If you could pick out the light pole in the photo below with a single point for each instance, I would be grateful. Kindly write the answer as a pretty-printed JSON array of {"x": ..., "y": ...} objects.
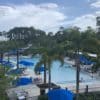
[{"x": 77, "y": 71}]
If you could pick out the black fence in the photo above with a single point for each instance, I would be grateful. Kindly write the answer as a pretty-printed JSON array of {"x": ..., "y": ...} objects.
[{"x": 89, "y": 96}]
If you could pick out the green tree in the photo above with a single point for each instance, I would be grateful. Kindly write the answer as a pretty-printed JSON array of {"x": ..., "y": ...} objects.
[
  {"x": 4, "y": 83},
  {"x": 48, "y": 55}
]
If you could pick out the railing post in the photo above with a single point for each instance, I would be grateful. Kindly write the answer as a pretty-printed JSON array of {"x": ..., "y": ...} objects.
[{"x": 86, "y": 89}]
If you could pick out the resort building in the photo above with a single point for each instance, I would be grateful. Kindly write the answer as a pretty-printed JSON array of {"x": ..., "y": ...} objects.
[
  {"x": 3, "y": 36},
  {"x": 98, "y": 23}
]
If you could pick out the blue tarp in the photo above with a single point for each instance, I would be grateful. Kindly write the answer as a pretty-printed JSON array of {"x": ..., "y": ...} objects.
[
  {"x": 85, "y": 60},
  {"x": 26, "y": 63},
  {"x": 60, "y": 94},
  {"x": 23, "y": 81}
]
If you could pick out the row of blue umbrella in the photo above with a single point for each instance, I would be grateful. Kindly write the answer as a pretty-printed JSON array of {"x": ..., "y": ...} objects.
[
  {"x": 84, "y": 60},
  {"x": 22, "y": 62},
  {"x": 28, "y": 63},
  {"x": 6, "y": 63}
]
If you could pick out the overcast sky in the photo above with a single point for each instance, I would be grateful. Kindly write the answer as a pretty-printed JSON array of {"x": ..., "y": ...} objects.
[{"x": 48, "y": 15}]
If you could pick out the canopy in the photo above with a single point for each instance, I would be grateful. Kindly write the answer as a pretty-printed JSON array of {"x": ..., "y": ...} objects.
[
  {"x": 23, "y": 81},
  {"x": 26, "y": 63},
  {"x": 60, "y": 94}
]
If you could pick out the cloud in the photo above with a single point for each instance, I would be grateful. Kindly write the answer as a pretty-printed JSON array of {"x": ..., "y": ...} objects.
[
  {"x": 97, "y": 13},
  {"x": 84, "y": 21},
  {"x": 48, "y": 5},
  {"x": 96, "y": 4},
  {"x": 31, "y": 15}
]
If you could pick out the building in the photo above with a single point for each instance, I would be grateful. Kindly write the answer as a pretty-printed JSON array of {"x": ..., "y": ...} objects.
[
  {"x": 98, "y": 23},
  {"x": 3, "y": 36}
]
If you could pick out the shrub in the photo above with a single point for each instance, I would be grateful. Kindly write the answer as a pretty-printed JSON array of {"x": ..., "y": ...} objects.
[{"x": 43, "y": 97}]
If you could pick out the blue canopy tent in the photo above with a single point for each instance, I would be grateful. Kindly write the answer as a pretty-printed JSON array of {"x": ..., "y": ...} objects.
[
  {"x": 26, "y": 63},
  {"x": 84, "y": 60},
  {"x": 23, "y": 81},
  {"x": 60, "y": 94}
]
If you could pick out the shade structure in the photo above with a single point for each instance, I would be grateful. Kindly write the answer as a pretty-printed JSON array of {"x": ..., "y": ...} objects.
[
  {"x": 84, "y": 60},
  {"x": 60, "y": 94},
  {"x": 23, "y": 81},
  {"x": 26, "y": 63}
]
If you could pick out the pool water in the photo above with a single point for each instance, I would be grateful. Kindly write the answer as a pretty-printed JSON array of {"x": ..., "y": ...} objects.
[{"x": 61, "y": 74}]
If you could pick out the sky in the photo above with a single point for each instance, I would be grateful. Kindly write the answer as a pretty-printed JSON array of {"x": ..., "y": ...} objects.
[{"x": 48, "y": 15}]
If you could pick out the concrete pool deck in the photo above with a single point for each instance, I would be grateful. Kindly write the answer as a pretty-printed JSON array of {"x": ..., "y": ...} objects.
[{"x": 32, "y": 90}]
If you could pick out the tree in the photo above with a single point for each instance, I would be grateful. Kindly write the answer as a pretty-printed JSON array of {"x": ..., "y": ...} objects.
[
  {"x": 48, "y": 55},
  {"x": 4, "y": 83}
]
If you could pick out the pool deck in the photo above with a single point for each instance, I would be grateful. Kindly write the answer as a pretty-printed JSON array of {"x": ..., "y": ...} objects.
[
  {"x": 32, "y": 90},
  {"x": 66, "y": 60}
]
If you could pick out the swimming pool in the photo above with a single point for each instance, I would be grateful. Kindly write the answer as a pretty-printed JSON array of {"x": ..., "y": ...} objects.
[{"x": 61, "y": 74}]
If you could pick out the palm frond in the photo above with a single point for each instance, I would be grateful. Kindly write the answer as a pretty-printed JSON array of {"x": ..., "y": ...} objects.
[{"x": 38, "y": 65}]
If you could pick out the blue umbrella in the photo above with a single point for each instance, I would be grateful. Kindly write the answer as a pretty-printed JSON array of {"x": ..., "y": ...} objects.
[
  {"x": 24, "y": 81},
  {"x": 60, "y": 94},
  {"x": 84, "y": 60},
  {"x": 6, "y": 63},
  {"x": 40, "y": 69},
  {"x": 26, "y": 63}
]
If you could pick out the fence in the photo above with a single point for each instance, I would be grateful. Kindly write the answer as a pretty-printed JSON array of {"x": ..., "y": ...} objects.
[{"x": 89, "y": 93}]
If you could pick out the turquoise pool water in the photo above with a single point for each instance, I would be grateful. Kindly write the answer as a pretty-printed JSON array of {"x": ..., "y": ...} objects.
[{"x": 61, "y": 74}]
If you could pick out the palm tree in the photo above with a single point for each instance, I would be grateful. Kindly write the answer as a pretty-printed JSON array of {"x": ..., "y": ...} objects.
[
  {"x": 48, "y": 55},
  {"x": 4, "y": 82},
  {"x": 73, "y": 44},
  {"x": 43, "y": 61}
]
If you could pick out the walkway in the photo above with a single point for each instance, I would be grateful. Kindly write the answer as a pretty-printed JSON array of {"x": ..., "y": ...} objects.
[{"x": 32, "y": 90}]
